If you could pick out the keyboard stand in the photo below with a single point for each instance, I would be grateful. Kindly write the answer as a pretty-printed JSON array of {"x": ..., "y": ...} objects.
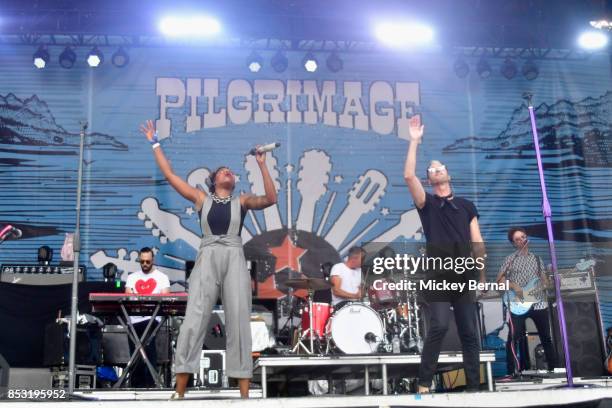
[{"x": 140, "y": 343}]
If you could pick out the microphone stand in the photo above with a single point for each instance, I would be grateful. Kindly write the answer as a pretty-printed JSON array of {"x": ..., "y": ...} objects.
[
  {"x": 75, "y": 272},
  {"x": 547, "y": 212}
]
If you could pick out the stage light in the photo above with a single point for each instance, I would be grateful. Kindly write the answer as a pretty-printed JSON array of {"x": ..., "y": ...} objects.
[
  {"x": 120, "y": 58},
  {"x": 508, "y": 69},
  {"x": 461, "y": 68},
  {"x": 593, "y": 40},
  {"x": 195, "y": 26},
  {"x": 530, "y": 70},
  {"x": 254, "y": 62},
  {"x": 109, "y": 271},
  {"x": 334, "y": 62},
  {"x": 41, "y": 57},
  {"x": 601, "y": 24},
  {"x": 95, "y": 57},
  {"x": 310, "y": 62},
  {"x": 279, "y": 62},
  {"x": 407, "y": 34},
  {"x": 483, "y": 68},
  {"x": 45, "y": 255},
  {"x": 67, "y": 58}
]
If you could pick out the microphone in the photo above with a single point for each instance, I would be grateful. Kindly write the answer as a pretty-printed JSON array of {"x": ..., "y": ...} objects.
[
  {"x": 16, "y": 232},
  {"x": 370, "y": 337},
  {"x": 265, "y": 148},
  {"x": 7, "y": 231}
]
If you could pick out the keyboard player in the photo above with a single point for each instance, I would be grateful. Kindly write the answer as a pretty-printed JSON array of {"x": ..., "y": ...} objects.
[{"x": 147, "y": 281}]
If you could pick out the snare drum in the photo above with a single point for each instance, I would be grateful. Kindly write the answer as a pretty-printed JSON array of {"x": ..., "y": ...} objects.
[
  {"x": 321, "y": 312},
  {"x": 356, "y": 329}
]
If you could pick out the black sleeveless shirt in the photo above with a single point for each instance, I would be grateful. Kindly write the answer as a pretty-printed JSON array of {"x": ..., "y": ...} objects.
[{"x": 219, "y": 217}]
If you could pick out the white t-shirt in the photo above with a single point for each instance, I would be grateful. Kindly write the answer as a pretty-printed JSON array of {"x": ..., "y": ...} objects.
[
  {"x": 151, "y": 283},
  {"x": 350, "y": 280}
]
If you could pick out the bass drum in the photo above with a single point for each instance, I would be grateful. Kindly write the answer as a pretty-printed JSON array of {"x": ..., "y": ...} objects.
[{"x": 356, "y": 329}]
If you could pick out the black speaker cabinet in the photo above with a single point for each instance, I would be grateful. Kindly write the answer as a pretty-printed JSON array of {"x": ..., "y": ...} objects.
[
  {"x": 88, "y": 345},
  {"x": 116, "y": 347},
  {"x": 585, "y": 338},
  {"x": 4, "y": 376},
  {"x": 215, "y": 332}
]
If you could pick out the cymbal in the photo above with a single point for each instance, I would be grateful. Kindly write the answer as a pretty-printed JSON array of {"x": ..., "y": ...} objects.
[{"x": 308, "y": 283}]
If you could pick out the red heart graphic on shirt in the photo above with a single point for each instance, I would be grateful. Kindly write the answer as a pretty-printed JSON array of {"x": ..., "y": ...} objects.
[{"x": 145, "y": 287}]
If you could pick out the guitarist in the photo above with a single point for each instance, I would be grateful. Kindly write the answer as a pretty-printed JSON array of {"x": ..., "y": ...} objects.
[{"x": 520, "y": 268}]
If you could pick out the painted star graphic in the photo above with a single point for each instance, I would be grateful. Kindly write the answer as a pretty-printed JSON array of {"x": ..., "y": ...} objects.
[
  {"x": 287, "y": 255},
  {"x": 384, "y": 211},
  {"x": 289, "y": 168},
  {"x": 237, "y": 178},
  {"x": 338, "y": 179},
  {"x": 189, "y": 211}
]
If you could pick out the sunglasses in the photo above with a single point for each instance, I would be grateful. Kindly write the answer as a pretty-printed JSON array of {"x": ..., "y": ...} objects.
[{"x": 438, "y": 169}]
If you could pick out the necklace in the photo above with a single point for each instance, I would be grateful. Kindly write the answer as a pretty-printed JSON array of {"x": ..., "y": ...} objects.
[{"x": 220, "y": 200}]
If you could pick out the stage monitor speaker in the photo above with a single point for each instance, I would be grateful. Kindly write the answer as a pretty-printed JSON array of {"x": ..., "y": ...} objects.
[
  {"x": 215, "y": 333},
  {"x": 116, "y": 347},
  {"x": 451, "y": 341},
  {"x": 4, "y": 377},
  {"x": 162, "y": 346},
  {"x": 88, "y": 347},
  {"x": 587, "y": 353}
]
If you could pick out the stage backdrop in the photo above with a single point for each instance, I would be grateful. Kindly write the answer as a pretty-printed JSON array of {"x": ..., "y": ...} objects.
[{"x": 339, "y": 168}]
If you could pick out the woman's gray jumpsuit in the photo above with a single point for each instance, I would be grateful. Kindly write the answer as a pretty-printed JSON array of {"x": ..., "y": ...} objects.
[{"x": 220, "y": 268}]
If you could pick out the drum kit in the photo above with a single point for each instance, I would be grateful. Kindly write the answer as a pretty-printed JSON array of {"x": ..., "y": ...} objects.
[{"x": 386, "y": 322}]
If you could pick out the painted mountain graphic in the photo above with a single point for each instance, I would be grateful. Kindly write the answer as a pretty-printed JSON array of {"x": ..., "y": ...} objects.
[
  {"x": 565, "y": 128},
  {"x": 30, "y": 122}
]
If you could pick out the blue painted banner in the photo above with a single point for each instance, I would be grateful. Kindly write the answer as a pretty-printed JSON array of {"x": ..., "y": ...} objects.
[{"x": 339, "y": 168}]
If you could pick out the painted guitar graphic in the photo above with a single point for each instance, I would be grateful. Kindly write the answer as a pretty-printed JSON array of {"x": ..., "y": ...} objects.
[
  {"x": 518, "y": 306},
  {"x": 164, "y": 224},
  {"x": 168, "y": 227},
  {"x": 363, "y": 197}
]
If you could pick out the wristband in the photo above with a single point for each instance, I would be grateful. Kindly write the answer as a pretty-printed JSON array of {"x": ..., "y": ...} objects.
[
  {"x": 154, "y": 139},
  {"x": 155, "y": 145}
]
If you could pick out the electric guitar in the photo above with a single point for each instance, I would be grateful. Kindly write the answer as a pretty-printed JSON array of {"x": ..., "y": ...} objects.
[{"x": 518, "y": 306}]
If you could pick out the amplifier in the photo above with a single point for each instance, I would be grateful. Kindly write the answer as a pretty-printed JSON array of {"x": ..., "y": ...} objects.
[
  {"x": 24, "y": 274},
  {"x": 571, "y": 279}
]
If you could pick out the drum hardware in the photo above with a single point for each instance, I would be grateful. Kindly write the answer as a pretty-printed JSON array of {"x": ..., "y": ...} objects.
[
  {"x": 411, "y": 332},
  {"x": 310, "y": 284}
]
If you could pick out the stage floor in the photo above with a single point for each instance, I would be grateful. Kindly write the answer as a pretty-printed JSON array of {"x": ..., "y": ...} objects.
[{"x": 539, "y": 398}]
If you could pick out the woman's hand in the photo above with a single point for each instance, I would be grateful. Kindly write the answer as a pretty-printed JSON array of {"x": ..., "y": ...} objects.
[
  {"x": 260, "y": 156},
  {"x": 148, "y": 129}
]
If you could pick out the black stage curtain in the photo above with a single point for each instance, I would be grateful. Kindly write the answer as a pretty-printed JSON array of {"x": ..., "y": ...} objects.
[{"x": 25, "y": 310}]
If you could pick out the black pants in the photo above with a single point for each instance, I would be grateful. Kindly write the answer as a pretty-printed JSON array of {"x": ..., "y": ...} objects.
[
  {"x": 467, "y": 327},
  {"x": 140, "y": 376},
  {"x": 540, "y": 318}
]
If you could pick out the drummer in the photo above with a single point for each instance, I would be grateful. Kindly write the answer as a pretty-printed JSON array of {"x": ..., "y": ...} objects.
[{"x": 346, "y": 279}]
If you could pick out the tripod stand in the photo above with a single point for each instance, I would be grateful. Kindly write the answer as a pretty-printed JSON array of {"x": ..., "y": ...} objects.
[{"x": 310, "y": 284}]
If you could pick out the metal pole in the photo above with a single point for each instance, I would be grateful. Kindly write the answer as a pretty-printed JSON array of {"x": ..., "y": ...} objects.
[
  {"x": 547, "y": 212},
  {"x": 75, "y": 270}
]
